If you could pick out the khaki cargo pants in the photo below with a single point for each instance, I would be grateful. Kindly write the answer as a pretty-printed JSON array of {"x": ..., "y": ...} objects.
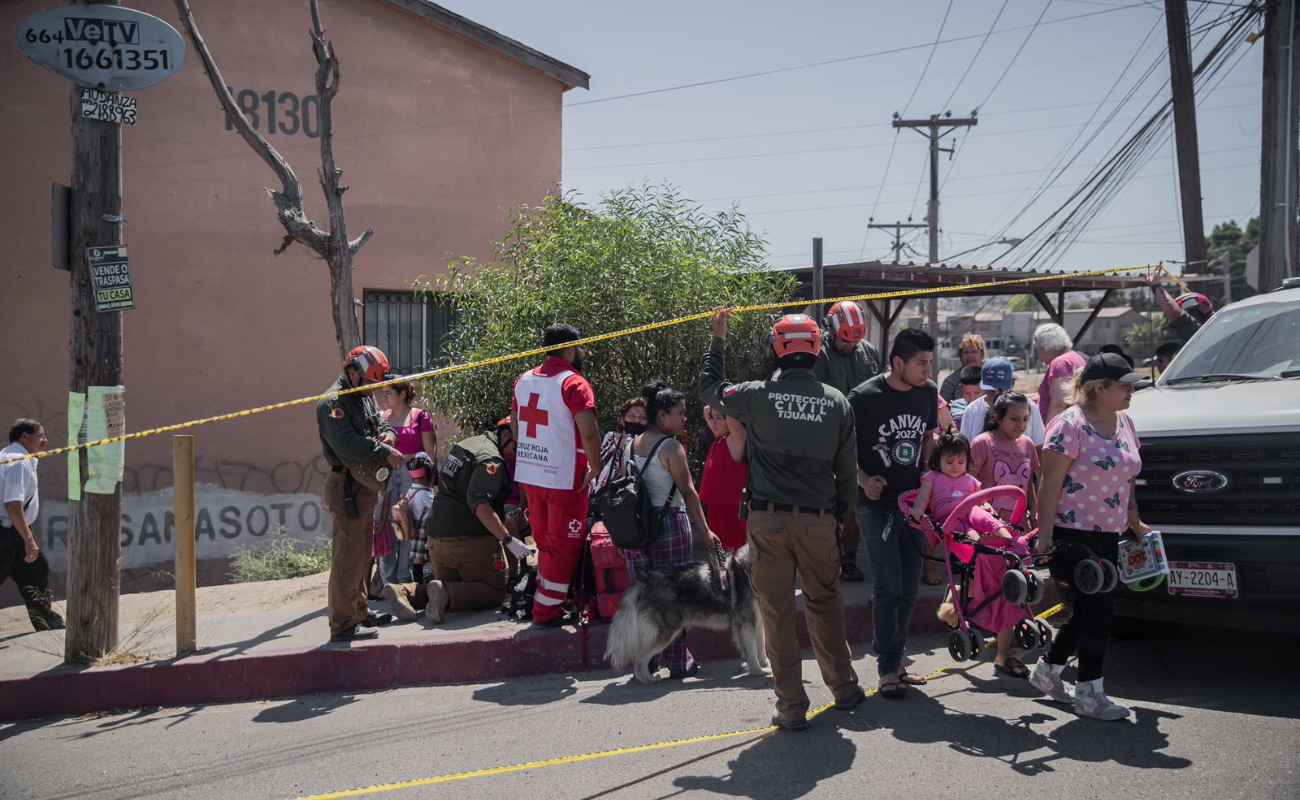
[
  {"x": 779, "y": 544},
  {"x": 466, "y": 566},
  {"x": 353, "y": 541}
]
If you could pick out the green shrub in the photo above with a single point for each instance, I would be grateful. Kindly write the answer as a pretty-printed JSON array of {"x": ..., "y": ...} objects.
[
  {"x": 638, "y": 256},
  {"x": 279, "y": 559}
]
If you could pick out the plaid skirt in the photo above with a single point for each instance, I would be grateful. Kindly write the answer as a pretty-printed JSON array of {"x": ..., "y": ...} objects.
[{"x": 674, "y": 546}]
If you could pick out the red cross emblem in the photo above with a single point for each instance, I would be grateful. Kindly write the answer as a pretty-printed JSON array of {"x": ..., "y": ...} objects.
[{"x": 533, "y": 415}]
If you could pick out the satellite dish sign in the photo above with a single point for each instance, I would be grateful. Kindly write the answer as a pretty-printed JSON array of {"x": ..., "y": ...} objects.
[{"x": 109, "y": 48}]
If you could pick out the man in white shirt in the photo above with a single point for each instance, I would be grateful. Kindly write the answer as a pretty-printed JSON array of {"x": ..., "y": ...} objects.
[
  {"x": 20, "y": 556},
  {"x": 997, "y": 376}
]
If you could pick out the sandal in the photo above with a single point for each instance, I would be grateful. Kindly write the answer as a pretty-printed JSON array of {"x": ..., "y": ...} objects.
[
  {"x": 911, "y": 679},
  {"x": 890, "y": 688},
  {"x": 1013, "y": 668}
]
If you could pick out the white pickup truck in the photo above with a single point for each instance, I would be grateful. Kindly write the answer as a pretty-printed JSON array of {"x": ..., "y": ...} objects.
[{"x": 1220, "y": 433}]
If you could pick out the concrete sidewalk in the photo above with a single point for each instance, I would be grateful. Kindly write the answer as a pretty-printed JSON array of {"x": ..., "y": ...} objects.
[{"x": 281, "y": 652}]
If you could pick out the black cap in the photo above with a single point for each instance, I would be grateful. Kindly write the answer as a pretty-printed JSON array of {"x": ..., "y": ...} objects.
[
  {"x": 1109, "y": 366},
  {"x": 1117, "y": 350}
]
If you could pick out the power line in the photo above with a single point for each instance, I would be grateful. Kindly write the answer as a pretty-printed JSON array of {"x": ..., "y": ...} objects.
[
  {"x": 864, "y": 146},
  {"x": 930, "y": 58},
  {"x": 983, "y": 42},
  {"x": 839, "y": 128},
  {"x": 842, "y": 60},
  {"x": 1096, "y": 192},
  {"x": 889, "y": 160}
]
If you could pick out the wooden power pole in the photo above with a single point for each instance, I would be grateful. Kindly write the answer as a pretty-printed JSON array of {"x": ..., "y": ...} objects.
[
  {"x": 935, "y": 128},
  {"x": 94, "y": 359},
  {"x": 1189, "y": 160},
  {"x": 1278, "y": 257},
  {"x": 897, "y": 228}
]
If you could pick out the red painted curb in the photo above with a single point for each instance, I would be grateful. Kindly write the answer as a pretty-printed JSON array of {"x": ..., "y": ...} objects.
[{"x": 367, "y": 666}]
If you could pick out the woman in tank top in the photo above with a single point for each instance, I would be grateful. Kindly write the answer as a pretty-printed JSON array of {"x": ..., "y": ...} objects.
[{"x": 668, "y": 479}]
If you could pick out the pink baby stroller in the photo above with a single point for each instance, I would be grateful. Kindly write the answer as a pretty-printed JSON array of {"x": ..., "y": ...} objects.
[{"x": 1021, "y": 586}]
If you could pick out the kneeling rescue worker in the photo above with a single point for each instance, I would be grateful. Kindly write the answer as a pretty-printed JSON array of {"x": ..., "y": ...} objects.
[
  {"x": 467, "y": 527},
  {"x": 802, "y": 482}
]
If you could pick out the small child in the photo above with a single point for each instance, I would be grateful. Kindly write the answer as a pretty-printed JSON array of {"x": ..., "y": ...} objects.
[
  {"x": 942, "y": 489},
  {"x": 948, "y": 483}
]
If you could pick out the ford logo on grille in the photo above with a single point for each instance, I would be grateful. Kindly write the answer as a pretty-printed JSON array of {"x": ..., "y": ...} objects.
[{"x": 1200, "y": 481}]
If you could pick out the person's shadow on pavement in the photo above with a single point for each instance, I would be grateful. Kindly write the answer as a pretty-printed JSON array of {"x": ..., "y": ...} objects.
[
  {"x": 923, "y": 719},
  {"x": 782, "y": 766},
  {"x": 531, "y": 692},
  {"x": 304, "y": 708}
]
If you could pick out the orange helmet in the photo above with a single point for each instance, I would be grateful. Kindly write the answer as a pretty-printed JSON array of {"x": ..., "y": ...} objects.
[
  {"x": 369, "y": 361},
  {"x": 848, "y": 322},
  {"x": 796, "y": 333}
]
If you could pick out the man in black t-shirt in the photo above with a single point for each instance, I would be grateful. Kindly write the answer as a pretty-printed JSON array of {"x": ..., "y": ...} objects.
[{"x": 895, "y": 415}]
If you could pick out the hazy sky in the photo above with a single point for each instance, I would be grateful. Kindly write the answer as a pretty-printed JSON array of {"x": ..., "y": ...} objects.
[{"x": 804, "y": 152}]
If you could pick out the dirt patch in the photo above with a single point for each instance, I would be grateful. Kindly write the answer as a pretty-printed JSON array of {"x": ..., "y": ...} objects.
[{"x": 143, "y": 609}]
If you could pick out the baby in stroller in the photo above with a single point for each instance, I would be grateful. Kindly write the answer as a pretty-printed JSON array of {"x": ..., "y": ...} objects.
[{"x": 981, "y": 548}]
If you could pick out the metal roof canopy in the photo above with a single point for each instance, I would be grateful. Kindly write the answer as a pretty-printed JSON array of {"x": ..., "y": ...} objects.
[{"x": 870, "y": 277}]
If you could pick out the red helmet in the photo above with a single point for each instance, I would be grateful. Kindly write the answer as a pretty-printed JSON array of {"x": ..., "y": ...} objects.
[
  {"x": 369, "y": 361},
  {"x": 796, "y": 333},
  {"x": 1194, "y": 303},
  {"x": 848, "y": 322}
]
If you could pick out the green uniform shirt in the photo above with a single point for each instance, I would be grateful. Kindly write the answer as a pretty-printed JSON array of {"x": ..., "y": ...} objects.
[
  {"x": 801, "y": 442},
  {"x": 472, "y": 474},
  {"x": 846, "y": 370},
  {"x": 1186, "y": 326},
  {"x": 350, "y": 428}
]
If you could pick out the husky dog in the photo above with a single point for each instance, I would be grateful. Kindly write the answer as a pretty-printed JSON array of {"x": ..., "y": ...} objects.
[{"x": 665, "y": 600}]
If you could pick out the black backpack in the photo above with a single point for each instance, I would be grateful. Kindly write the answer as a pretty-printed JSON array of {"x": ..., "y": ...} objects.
[{"x": 625, "y": 507}]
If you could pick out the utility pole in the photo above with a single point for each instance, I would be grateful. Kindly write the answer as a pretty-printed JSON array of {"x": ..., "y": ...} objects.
[
  {"x": 818, "y": 278},
  {"x": 1189, "y": 161},
  {"x": 898, "y": 234},
  {"x": 1278, "y": 177},
  {"x": 94, "y": 359},
  {"x": 935, "y": 128}
]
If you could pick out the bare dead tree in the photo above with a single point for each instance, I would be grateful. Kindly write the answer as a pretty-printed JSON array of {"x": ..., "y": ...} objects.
[{"x": 331, "y": 245}]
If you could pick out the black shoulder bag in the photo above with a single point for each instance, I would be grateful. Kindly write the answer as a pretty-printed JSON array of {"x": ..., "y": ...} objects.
[{"x": 625, "y": 507}]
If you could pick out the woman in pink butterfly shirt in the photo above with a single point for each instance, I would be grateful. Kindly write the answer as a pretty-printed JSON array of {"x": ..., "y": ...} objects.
[{"x": 1090, "y": 463}]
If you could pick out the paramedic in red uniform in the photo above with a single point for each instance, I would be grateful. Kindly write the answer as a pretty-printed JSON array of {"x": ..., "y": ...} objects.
[{"x": 554, "y": 416}]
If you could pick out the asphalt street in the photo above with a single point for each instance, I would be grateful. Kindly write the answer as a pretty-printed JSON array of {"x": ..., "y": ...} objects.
[{"x": 1215, "y": 716}]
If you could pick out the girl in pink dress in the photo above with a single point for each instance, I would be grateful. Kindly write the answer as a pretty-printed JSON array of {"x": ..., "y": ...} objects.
[
  {"x": 942, "y": 489},
  {"x": 1004, "y": 456}
]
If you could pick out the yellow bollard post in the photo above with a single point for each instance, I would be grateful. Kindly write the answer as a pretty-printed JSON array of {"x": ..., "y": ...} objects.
[{"x": 186, "y": 574}]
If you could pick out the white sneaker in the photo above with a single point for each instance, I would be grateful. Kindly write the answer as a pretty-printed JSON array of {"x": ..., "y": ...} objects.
[
  {"x": 1047, "y": 679},
  {"x": 1091, "y": 701}
]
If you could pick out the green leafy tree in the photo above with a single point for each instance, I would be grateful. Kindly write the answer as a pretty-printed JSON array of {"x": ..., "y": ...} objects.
[
  {"x": 639, "y": 256},
  {"x": 1143, "y": 338},
  {"x": 1226, "y": 249},
  {"x": 1023, "y": 302}
]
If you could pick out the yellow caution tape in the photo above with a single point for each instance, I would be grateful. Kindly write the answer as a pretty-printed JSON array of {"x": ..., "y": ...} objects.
[
  {"x": 759, "y": 733},
  {"x": 580, "y": 342}
]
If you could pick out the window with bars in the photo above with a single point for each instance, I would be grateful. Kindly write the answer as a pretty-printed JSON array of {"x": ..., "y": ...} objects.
[{"x": 410, "y": 328}]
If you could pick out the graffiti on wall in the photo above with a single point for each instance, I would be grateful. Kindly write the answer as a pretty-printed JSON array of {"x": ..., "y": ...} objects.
[{"x": 225, "y": 521}]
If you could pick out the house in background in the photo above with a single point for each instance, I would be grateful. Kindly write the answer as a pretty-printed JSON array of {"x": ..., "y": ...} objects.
[{"x": 441, "y": 125}]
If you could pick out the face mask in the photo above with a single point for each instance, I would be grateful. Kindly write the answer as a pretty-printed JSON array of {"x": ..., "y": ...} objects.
[
  {"x": 634, "y": 428},
  {"x": 577, "y": 364}
]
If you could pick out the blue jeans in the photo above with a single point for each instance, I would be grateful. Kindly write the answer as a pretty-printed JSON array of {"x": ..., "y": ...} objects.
[{"x": 896, "y": 572}]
